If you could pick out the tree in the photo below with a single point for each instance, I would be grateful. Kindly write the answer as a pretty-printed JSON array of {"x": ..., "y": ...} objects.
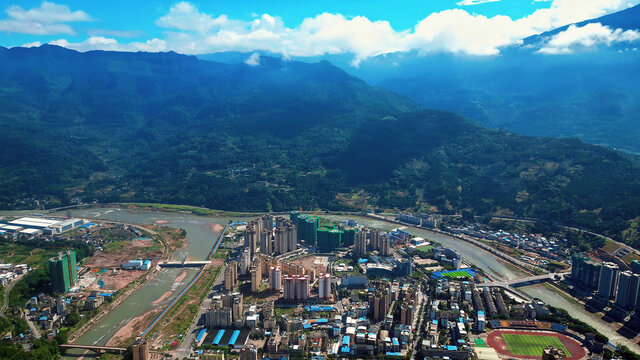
[{"x": 72, "y": 319}]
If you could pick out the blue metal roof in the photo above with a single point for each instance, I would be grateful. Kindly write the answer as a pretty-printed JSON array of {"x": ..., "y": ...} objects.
[
  {"x": 234, "y": 337},
  {"x": 346, "y": 340},
  {"x": 201, "y": 335},
  {"x": 216, "y": 341},
  {"x": 451, "y": 348},
  {"x": 395, "y": 341}
]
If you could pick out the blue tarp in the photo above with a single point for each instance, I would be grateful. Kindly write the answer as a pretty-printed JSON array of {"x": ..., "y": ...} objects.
[
  {"x": 451, "y": 348},
  {"x": 393, "y": 353},
  {"x": 104, "y": 294},
  {"x": 216, "y": 341},
  {"x": 345, "y": 349},
  {"x": 395, "y": 341},
  {"x": 346, "y": 340},
  {"x": 84, "y": 226}
]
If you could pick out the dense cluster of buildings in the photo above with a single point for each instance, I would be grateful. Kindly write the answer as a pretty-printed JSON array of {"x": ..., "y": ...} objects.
[
  {"x": 315, "y": 319},
  {"x": 532, "y": 243},
  {"x": 614, "y": 282},
  {"x": 10, "y": 272}
]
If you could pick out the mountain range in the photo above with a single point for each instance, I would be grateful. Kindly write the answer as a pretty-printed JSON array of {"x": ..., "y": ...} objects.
[
  {"x": 591, "y": 94},
  {"x": 164, "y": 127}
]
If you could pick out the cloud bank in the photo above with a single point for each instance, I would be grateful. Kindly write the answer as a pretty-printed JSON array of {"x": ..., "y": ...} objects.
[
  {"x": 190, "y": 31},
  {"x": 588, "y": 36}
]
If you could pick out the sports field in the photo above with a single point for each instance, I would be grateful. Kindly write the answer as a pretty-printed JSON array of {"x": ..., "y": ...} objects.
[
  {"x": 531, "y": 345},
  {"x": 457, "y": 274},
  {"x": 460, "y": 273},
  {"x": 523, "y": 344}
]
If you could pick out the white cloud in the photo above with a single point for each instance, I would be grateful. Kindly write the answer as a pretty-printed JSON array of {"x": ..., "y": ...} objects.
[
  {"x": 186, "y": 17},
  {"x": 110, "y": 44},
  {"x": 474, "y": 2},
  {"x": 48, "y": 19},
  {"x": 587, "y": 36},
  {"x": 253, "y": 60},
  {"x": 473, "y": 34},
  {"x": 32, "y": 44},
  {"x": 190, "y": 31}
]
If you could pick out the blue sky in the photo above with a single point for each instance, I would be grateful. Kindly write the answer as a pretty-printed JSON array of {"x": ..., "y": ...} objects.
[{"x": 304, "y": 28}]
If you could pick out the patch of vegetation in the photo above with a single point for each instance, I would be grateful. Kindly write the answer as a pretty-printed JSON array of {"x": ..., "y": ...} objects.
[{"x": 181, "y": 315}]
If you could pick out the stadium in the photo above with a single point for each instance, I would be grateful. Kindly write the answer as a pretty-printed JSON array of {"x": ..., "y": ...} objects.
[{"x": 528, "y": 344}]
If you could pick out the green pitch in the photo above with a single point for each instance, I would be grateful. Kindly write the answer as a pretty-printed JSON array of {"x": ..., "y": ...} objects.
[
  {"x": 531, "y": 345},
  {"x": 456, "y": 274}
]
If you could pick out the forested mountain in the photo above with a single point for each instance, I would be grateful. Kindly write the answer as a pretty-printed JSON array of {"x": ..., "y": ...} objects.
[
  {"x": 591, "y": 94},
  {"x": 284, "y": 134}
]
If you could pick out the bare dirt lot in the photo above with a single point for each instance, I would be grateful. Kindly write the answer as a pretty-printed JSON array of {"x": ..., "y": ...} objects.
[
  {"x": 112, "y": 258},
  {"x": 319, "y": 263}
]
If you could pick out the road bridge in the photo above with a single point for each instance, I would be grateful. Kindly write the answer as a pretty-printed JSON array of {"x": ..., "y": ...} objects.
[
  {"x": 181, "y": 264},
  {"x": 95, "y": 348},
  {"x": 527, "y": 280}
]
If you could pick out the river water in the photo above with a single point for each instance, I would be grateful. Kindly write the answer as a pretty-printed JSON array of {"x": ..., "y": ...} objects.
[{"x": 201, "y": 239}]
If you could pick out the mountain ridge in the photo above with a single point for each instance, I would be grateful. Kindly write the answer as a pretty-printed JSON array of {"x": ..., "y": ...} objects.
[
  {"x": 627, "y": 19},
  {"x": 139, "y": 127}
]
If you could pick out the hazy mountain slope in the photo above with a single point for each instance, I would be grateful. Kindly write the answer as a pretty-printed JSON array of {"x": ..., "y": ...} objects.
[
  {"x": 592, "y": 95},
  {"x": 172, "y": 128},
  {"x": 628, "y": 19}
]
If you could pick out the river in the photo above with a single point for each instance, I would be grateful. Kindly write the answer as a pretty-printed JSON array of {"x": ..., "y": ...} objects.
[{"x": 200, "y": 241}]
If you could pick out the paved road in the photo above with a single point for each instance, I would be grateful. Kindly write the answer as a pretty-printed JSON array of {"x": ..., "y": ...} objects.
[
  {"x": 5, "y": 305},
  {"x": 7, "y": 290},
  {"x": 34, "y": 329},
  {"x": 185, "y": 348},
  {"x": 417, "y": 337}
]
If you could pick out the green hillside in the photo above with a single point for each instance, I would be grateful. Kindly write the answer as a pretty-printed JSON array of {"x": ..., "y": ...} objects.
[{"x": 169, "y": 128}]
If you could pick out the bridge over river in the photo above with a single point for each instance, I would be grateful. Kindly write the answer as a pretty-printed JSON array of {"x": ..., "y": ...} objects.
[
  {"x": 95, "y": 348},
  {"x": 511, "y": 285}
]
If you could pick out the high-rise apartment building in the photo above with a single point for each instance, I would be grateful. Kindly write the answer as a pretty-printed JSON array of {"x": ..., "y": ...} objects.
[{"x": 63, "y": 271}]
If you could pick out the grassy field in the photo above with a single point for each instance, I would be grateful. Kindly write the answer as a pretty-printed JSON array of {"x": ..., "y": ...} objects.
[
  {"x": 531, "y": 345},
  {"x": 457, "y": 274},
  {"x": 20, "y": 254}
]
